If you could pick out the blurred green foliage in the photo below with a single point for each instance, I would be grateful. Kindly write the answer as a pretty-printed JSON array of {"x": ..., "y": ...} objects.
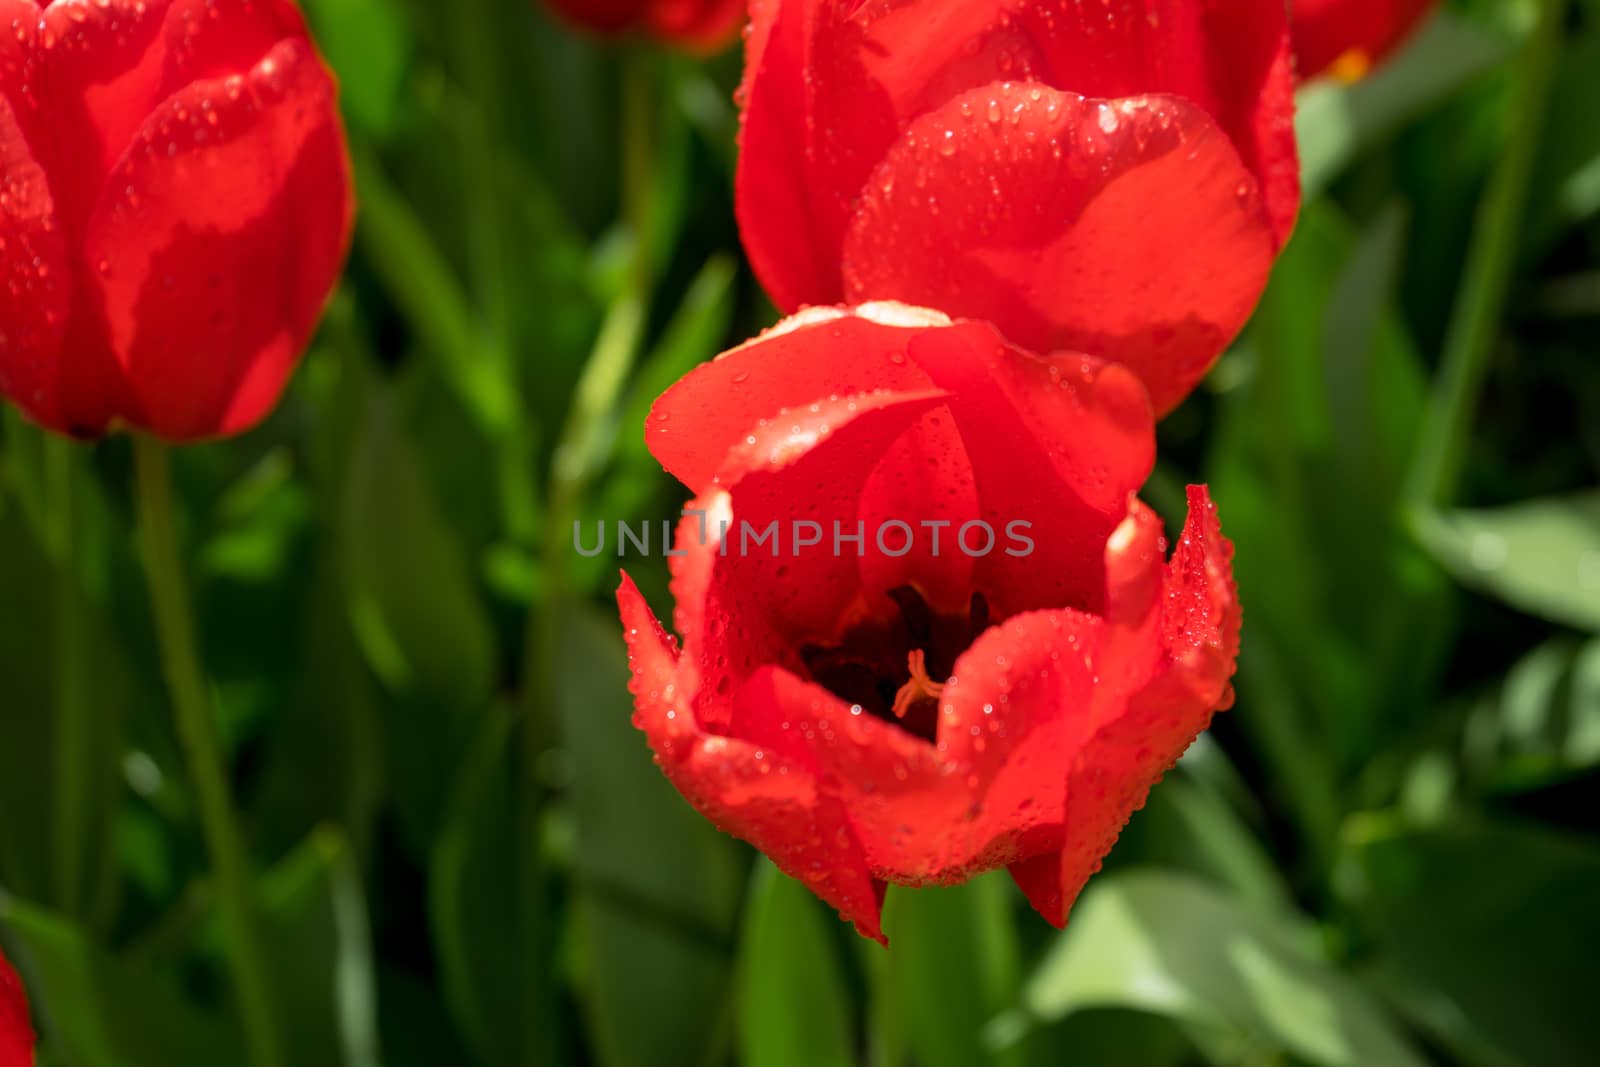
[{"x": 1386, "y": 854}]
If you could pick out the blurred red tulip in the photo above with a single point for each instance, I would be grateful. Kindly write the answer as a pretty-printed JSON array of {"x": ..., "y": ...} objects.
[
  {"x": 917, "y": 706},
  {"x": 16, "y": 1033},
  {"x": 698, "y": 26},
  {"x": 1346, "y": 38},
  {"x": 1114, "y": 182},
  {"x": 177, "y": 210}
]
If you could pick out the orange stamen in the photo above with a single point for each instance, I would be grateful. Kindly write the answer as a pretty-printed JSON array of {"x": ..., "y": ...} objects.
[
  {"x": 920, "y": 687},
  {"x": 1352, "y": 66}
]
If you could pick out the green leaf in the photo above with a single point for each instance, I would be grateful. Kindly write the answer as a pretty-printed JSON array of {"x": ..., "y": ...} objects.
[
  {"x": 323, "y": 760},
  {"x": 413, "y": 601},
  {"x": 30, "y": 741},
  {"x": 475, "y": 899},
  {"x": 658, "y": 885},
  {"x": 1541, "y": 557},
  {"x": 100, "y": 1011},
  {"x": 793, "y": 1011},
  {"x": 1307, "y": 465},
  {"x": 1482, "y": 927},
  {"x": 1334, "y": 122},
  {"x": 1186, "y": 823},
  {"x": 1543, "y": 725},
  {"x": 954, "y": 965},
  {"x": 321, "y": 954},
  {"x": 1174, "y": 946},
  {"x": 424, "y": 287},
  {"x": 368, "y": 43}
]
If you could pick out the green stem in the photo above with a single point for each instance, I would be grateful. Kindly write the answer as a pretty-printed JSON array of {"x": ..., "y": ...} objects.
[
  {"x": 202, "y": 748},
  {"x": 74, "y": 727},
  {"x": 1480, "y": 306},
  {"x": 886, "y": 1039}
]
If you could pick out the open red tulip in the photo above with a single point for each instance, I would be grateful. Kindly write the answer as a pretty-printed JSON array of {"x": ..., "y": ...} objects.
[
  {"x": 697, "y": 26},
  {"x": 1110, "y": 179},
  {"x": 176, "y": 212},
  {"x": 1348, "y": 37},
  {"x": 16, "y": 1033},
  {"x": 995, "y": 663}
]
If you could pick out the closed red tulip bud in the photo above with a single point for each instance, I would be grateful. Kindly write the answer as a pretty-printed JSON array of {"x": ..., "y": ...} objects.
[
  {"x": 698, "y": 26},
  {"x": 925, "y": 629},
  {"x": 16, "y": 1033},
  {"x": 1346, "y": 38},
  {"x": 176, "y": 210},
  {"x": 1110, "y": 179}
]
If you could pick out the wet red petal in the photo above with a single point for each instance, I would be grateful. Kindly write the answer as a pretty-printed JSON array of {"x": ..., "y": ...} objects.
[
  {"x": 754, "y": 604},
  {"x": 807, "y": 357},
  {"x": 235, "y": 196},
  {"x": 1129, "y": 230},
  {"x": 830, "y": 88},
  {"x": 1362, "y": 31},
  {"x": 751, "y": 792},
  {"x": 1058, "y": 444},
  {"x": 16, "y": 1032},
  {"x": 771, "y": 187},
  {"x": 37, "y": 290},
  {"x": 1007, "y": 729},
  {"x": 1114, "y": 772}
]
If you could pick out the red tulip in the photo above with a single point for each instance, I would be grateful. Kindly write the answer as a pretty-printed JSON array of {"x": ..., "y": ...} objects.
[
  {"x": 16, "y": 1034},
  {"x": 1348, "y": 37},
  {"x": 699, "y": 26},
  {"x": 866, "y": 715},
  {"x": 1110, "y": 179},
  {"x": 177, "y": 209}
]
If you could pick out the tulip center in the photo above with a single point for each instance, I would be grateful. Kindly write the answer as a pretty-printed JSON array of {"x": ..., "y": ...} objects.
[{"x": 894, "y": 665}]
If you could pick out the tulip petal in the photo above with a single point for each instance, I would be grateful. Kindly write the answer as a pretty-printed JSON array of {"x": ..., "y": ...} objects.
[
  {"x": 603, "y": 16},
  {"x": 225, "y": 192},
  {"x": 1009, "y": 723},
  {"x": 1129, "y": 230},
  {"x": 755, "y": 794},
  {"x": 1358, "y": 32},
  {"x": 699, "y": 26},
  {"x": 770, "y": 197},
  {"x": 37, "y": 290},
  {"x": 16, "y": 1032},
  {"x": 757, "y": 595},
  {"x": 807, "y": 357},
  {"x": 1230, "y": 58},
  {"x": 1113, "y": 773},
  {"x": 829, "y": 88},
  {"x": 1056, "y": 444}
]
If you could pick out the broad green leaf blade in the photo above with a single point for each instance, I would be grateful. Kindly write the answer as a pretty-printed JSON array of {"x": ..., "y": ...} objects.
[
  {"x": 321, "y": 954},
  {"x": 1186, "y": 823},
  {"x": 100, "y": 1011},
  {"x": 32, "y": 848},
  {"x": 1174, "y": 946},
  {"x": 368, "y": 43},
  {"x": 658, "y": 885},
  {"x": 1486, "y": 927},
  {"x": 793, "y": 1010},
  {"x": 413, "y": 602},
  {"x": 1543, "y": 726},
  {"x": 475, "y": 899},
  {"x": 425, "y": 288},
  {"x": 323, "y": 760},
  {"x": 1542, "y": 556}
]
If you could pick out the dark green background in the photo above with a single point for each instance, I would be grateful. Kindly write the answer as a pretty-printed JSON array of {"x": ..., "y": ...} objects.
[{"x": 1386, "y": 854}]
